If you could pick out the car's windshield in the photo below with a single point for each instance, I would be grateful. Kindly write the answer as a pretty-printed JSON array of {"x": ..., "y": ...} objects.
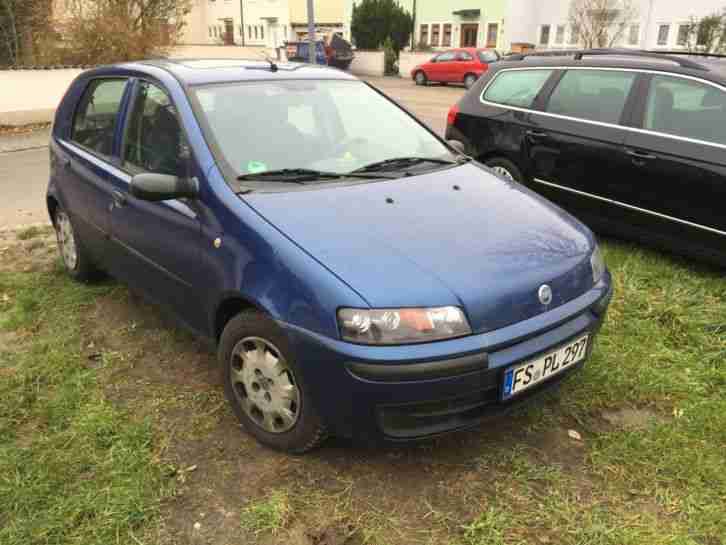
[{"x": 325, "y": 125}]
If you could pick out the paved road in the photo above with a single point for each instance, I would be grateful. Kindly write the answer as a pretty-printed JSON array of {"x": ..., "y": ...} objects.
[{"x": 24, "y": 174}]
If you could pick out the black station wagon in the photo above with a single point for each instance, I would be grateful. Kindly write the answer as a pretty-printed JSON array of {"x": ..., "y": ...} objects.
[{"x": 634, "y": 143}]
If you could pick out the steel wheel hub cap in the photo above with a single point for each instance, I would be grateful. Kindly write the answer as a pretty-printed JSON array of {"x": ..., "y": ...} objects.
[
  {"x": 264, "y": 385},
  {"x": 503, "y": 172},
  {"x": 66, "y": 240}
]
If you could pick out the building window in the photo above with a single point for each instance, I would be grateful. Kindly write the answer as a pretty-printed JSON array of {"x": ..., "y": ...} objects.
[
  {"x": 492, "y": 35},
  {"x": 256, "y": 27},
  {"x": 241, "y": 31},
  {"x": 446, "y": 42},
  {"x": 663, "y": 34},
  {"x": 683, "y": 32},
  {"x": 560, "y": 35},
  {"x": 262, "y": 31},
  {"x": 249, "y": 31},
  {"x": 574, "y": 35},
  {"x": 210, "y": 31},
  {"x": 435, "y": 35},
  {"x": 215, "y": 31},
  {"x": 424, "y": 34},
  {"x": 634, "y": 34},
  {"x": 544, "y": 35},
  {"x": 284, "y": 32}
]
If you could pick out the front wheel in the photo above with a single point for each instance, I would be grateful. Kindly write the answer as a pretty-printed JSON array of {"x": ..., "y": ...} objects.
[
  {"x": 470, "y": 80},
  {"x": 265, "y": 386},
  {"x": 505, "y": 168},
  {"x": 420, "y": 78}
]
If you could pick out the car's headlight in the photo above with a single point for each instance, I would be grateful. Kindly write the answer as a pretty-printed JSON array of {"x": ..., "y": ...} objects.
[
  {"x": 598, "y": 265},
  {"x": 402, "y": 325}
]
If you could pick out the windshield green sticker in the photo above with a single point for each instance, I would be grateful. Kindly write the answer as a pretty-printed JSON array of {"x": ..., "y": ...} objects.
[{"x": 253, "y": 167}]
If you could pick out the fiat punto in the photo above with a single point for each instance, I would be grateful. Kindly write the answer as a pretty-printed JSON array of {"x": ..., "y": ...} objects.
[{"x": 357, "y": 275}]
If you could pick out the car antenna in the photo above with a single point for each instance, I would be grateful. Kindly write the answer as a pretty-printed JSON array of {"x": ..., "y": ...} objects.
[{"x": 273, "y": 64}]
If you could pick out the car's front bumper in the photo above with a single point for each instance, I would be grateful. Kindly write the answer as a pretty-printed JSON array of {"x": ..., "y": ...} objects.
[{"x": 414, "y": 391}]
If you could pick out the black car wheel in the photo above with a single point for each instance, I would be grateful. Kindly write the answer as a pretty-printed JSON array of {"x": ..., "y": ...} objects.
[
  {"x": 420, "y": 78},
  {"x": 505, "y": 168},
  {"x": 76, "y": 259},
  {"x": 470, "y": 80},
  {"x": 265, "y": 387}
]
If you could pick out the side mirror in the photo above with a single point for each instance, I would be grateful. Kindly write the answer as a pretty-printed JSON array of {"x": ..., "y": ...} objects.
[
  {"x": 160, "y": 187},
  {"x": 457, "y": 145}
]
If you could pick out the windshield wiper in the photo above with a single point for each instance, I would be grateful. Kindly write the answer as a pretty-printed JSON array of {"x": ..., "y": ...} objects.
[
  {"x": 402, "y": 162},
  {"x": 302, "y": 175}
]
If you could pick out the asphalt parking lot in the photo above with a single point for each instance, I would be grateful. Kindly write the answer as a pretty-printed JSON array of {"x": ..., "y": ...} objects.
[{"x": 24, "y": 174}]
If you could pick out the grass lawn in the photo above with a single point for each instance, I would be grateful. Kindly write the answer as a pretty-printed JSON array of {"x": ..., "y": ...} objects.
[{"x": 113, "y": 429}]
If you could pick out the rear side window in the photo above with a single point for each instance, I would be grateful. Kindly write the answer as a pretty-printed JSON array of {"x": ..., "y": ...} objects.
[
  {"x": 96, "y": 116},
  {"x": 597, "y": 95},
  {"x": 487, "y": 56},
  {"x": 686, "y": 108},
  {"x": 516, "y": 87}
]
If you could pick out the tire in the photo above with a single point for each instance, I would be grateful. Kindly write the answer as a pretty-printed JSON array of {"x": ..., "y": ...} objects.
[
  {"x": 420, "y": 78},
  {"x": 76, "y": 259},
  {"x": 470, "y": 80},
  {"x": 506, "y": 168},
  {"x": 265, "y": 386}
]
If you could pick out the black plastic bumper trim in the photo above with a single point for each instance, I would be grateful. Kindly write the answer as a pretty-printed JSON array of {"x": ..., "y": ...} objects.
[{"x": 420, "y": 371}]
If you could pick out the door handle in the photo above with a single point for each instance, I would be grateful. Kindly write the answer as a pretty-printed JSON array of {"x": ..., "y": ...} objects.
[
  {"x": 536, "y": 134},
  {"x": 119, "y": 199},
  {"x": 641, "y": 155}
]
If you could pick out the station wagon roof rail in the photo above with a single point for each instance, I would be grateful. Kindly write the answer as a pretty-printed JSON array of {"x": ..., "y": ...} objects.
[{"x": 578, "y": 54}]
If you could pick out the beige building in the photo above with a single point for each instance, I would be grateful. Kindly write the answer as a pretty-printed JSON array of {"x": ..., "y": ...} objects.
[{"x": 268, "y": 23}]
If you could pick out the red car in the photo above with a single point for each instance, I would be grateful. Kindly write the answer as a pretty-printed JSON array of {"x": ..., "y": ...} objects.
[{"x": 464, "y": 65}]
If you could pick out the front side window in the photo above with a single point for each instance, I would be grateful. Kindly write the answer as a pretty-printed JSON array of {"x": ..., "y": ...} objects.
[
  {"x": 517, "y": 87},
  {"x": 663, "y": 34},
  {"x": 446, "y": 57},
  {"x": 153, "y": 140},
  {"x": 544, "y": 35},
  {"x": 686, "y": 108},
  {"x": 94, "y": 123},
  {"x": 325, "y": 125},
  {"x": 597, "y": 95}
]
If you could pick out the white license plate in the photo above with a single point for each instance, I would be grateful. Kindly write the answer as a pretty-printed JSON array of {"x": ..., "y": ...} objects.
[{"x": 523, "y": 376}]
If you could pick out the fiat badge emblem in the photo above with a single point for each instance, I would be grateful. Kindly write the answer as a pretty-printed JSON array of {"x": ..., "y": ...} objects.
[{"x": 545, "y": 294}]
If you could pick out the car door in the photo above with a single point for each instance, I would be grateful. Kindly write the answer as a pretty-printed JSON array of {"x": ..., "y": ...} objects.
[
  {"x": 575, "y": 145},
  {"x": 157, "y": 243},
  {"x": 465, "y": 64},
  {"x": 85, "y": 161},
  {"x": 678, "y": 160},
  {"x": 442, "y": 67}
]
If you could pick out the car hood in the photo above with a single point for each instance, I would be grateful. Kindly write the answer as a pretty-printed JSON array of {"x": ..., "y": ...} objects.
[{"x": 459, "y": 236}]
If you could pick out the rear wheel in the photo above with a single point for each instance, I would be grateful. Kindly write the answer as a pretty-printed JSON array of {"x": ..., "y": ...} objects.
[
  {"x": 76, "y": 259},
  {"x": 505, "y": 168},
  {"x": 265, "y": 386},
  {"x": 470, "y": 80},
  {"x": 420, "y": 78}
]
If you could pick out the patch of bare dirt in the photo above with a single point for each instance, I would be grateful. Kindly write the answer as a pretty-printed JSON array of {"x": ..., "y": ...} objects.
[
  {"x": 630, "y": 419},
  {"x": 30, "y": 255}
]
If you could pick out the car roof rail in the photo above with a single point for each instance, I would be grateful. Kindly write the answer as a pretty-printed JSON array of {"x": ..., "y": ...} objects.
[
  {"x": 689, "y": 53},
  {"x": 577, "y": 54}
]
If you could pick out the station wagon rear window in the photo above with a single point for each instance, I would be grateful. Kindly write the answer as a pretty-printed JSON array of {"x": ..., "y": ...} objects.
[{"x": 516, "y": 87}]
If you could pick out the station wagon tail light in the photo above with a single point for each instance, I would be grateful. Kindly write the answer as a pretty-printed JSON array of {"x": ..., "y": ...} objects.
[
  {"x": 402, "y": 325},
  {"x": 453, "y": 112}
]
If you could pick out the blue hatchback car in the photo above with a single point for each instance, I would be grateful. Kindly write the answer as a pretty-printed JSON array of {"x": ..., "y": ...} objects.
[{"x": 358, "y": 276}]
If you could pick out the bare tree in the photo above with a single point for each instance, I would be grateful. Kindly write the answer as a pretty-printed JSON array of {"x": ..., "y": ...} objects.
[
  {"x": 149, "y": 27},
  {"x": 708, "y": 34},
  {"x": 601, "y": 23}
]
